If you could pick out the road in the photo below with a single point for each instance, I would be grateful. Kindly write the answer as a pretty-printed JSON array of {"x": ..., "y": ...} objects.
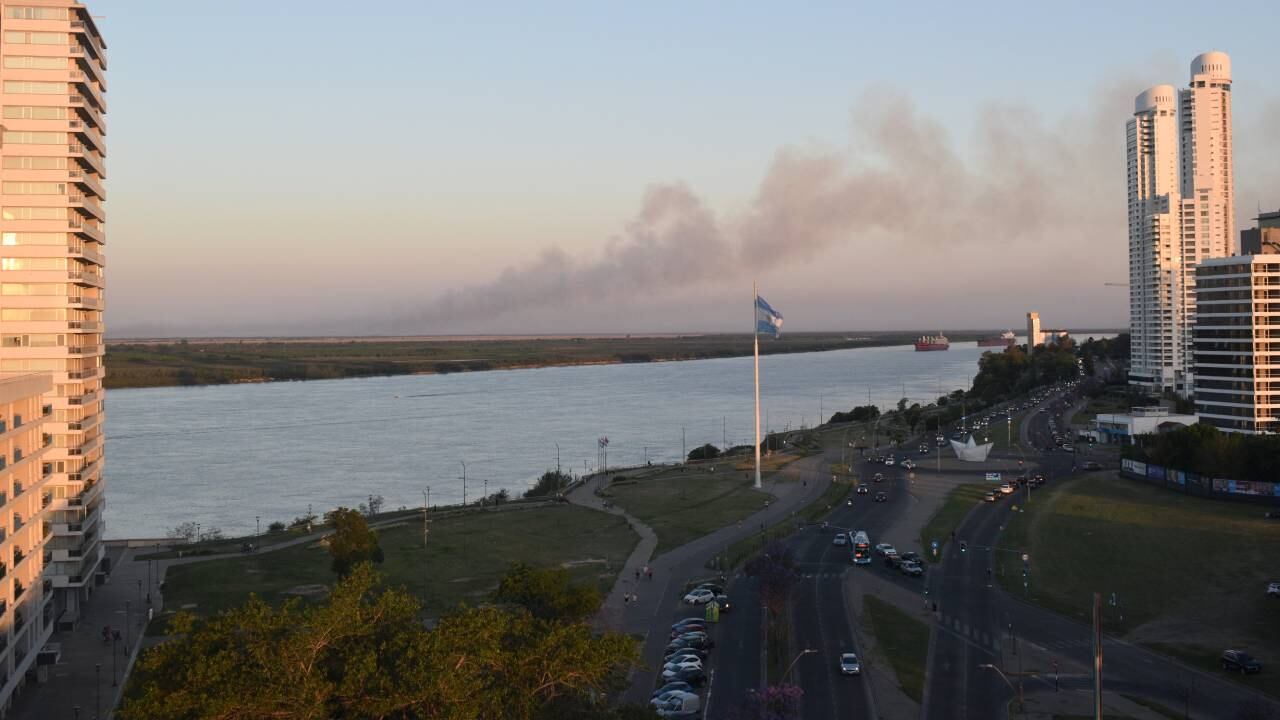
[{"x": 979, "y": 624}]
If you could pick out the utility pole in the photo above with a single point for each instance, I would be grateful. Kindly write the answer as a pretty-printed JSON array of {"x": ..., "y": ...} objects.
[
  {"x": 426, "y": 505},
  {"x": 724, "y": 431},
  {"x": 557, "y": 458},
  {"x": 464, "y": 482},
  {"x": 820, "y": 409},
  {"x": 684, "y": 450},
  {"x": 1097, "y": 656}
]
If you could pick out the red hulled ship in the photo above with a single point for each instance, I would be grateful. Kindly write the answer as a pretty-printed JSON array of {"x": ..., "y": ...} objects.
[{"x": 932, "y": 342}]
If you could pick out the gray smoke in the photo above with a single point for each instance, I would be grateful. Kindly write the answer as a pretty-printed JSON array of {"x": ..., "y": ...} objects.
[{"x": 901, "y": 181}]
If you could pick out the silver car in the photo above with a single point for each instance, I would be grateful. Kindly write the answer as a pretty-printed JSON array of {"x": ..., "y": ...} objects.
[{"x": 849, "y": 664}]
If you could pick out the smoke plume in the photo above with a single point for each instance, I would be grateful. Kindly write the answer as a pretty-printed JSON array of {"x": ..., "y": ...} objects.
[{"x": 902, "y": 181}]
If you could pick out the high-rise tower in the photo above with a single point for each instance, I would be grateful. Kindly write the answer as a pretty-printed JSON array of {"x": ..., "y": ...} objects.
[
  {"x": 51, "y": 264},
  {"x": 1155, "y": 266},
  {"x": 1181, "y": 213},
  {"x": 1207, "y": 184}
]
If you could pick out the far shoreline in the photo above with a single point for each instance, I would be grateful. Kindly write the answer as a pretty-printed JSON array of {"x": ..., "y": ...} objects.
[{"x": 196, "y": 362}]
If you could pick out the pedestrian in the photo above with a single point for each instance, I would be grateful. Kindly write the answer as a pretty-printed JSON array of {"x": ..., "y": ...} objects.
[
  {"x": 637, "y": 573},
  {"x": 626, "y": 599},
  {"x": 649, "y": 571}
]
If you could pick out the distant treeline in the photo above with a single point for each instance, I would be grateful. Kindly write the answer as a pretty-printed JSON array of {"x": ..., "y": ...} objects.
[{"x": 153, "y": 364}]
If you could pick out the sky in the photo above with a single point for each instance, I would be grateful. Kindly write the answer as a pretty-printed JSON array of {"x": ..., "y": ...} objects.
[{"x": 411, "y": 167}]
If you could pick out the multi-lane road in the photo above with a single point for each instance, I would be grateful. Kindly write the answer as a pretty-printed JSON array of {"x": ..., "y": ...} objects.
[{"x": 977, "y": 623}]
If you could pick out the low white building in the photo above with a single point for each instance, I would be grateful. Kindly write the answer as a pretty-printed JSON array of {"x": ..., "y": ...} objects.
[{"x": 1122, "y": 428}]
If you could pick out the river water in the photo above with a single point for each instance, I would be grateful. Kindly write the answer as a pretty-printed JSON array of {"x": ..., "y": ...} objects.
[{"x": 225, "y": 455}]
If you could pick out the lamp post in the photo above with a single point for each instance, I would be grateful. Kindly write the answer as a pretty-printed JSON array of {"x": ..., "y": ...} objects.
[
  {"x": 128, "y": 620},
  {"x": 257, "y": 522},
  {"x": 464, "y": 482},
  {"x": 139, "y": 600},
  {"x": 97, "y": 703},
  {"x": 1018, "y": 689},
  {"x": 557, "y": 458},
  {"x": 114, "y": 682},
  {"x": 793, "y": 663}
]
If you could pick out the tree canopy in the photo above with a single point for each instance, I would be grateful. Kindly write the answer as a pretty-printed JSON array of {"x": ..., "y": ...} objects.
[
  {"x": 1206, "y": 450},
  {"x": 365, "y": 654},
  {"x": 547, "y": 593},
  {"x": 352, "y": 541}
]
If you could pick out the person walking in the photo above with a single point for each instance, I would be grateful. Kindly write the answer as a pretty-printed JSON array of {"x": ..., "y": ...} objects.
[{"x": 648, "y": 571}]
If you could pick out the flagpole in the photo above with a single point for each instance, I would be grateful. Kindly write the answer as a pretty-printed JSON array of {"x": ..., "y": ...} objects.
[{"x": 755, "y": 339}]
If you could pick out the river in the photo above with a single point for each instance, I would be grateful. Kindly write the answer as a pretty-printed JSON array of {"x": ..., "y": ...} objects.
[{"x": 227, "y": 455}]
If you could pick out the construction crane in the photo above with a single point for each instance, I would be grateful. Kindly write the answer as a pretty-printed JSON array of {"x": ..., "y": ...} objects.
[{"x": 1116, "y": 284}]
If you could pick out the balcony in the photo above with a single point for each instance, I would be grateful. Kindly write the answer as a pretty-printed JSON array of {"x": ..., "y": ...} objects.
[
  {"x": 87, "y": 203},
  {"x": 84, "y": 301},
  {"x": 88, "y": 155},
  {"x": 88, "y": 180}
]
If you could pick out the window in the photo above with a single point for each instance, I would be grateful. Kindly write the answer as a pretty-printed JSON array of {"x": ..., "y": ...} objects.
[
  {"x": 34, "y": 188},
  {"x": 33, "y": 314},
  {"x": 19, "y": 137},
  {"x": 39, "y": 162},
  {"x": 29, "y": 62},
  {"x": 19, "y": 37},
  {"x": 33, "y": 340},
  {"x": 17, "y": 12},
  {"x": 33, "y": 289},
  {"x": 32, "y": 213},
  {"x": 35, "y": 263},
  {"x": 33, "y": 365},
  {"x": 34, "y": 112},
  {"x": 35, "y": 88},
  {"x": 32, "y": 238}
]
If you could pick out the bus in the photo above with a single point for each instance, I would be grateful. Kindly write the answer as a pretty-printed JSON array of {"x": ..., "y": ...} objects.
[{"x": 861, "y": 552}]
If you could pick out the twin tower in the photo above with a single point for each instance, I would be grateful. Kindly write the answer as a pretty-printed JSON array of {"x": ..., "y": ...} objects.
[{"x": 1181, "y": 212}]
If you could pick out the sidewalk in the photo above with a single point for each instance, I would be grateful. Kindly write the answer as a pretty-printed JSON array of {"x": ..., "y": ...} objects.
[{"x": 89, "y": 676}]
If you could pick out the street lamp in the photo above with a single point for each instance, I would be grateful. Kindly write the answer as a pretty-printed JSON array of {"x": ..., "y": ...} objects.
[
  {"x": 1018, "y": 689},
  {"x": 464, "y": 482},
  {"x": 793, "y": 663},
  {"x": 257, "y": 521}
]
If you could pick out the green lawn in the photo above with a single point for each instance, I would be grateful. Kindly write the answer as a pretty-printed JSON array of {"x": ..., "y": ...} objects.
[
  {"x": 1000, "y": 434},
  {"x": 683, "y": 506},
  {"x": 959, "y": 502},
  {"x": 902, "y": 639},
  {"x": 466, "y": 556},
  {"x": 813, "y": 512},
  {"x": 1195, "y": 568}
]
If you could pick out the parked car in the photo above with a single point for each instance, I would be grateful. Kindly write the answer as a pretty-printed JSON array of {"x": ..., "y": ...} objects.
[
  {"x": 684, "y": 663},
  {"x": 699, "y": 596},
  {"x": 684, "y": 654},
  {"x": 911, "y": 568},
  {"x": 839, "y": 540},
  {"x": 677, "y": 685},
  {"x": 678, "y": 631},
  {"x": 723, "y": 602},
  {"x": 863, "y": 490},
  {"x": 717, "y": 589},
  {"x": 685, "y": 707},
  {"x": 693, "y": 676},
  {"x": 849, "y": 664},
  {"x": 665, "y": 698},
  {"x": 1091, "y": 465},
  {"x": 1240, "y": 661},
  {"x": 1273, "y": 589},
  {"x": 881, "y": 497},
  {"x": 689, "y": 621}
]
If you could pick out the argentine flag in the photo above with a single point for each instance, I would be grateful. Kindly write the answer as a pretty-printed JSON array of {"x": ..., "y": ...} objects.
[{"x": 768, "y": 320}]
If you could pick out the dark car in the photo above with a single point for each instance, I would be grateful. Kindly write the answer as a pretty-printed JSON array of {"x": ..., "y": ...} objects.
[
  {"x": 1240, "y": 661},
  {"x": 911, "y": 557},
  {"x": 1091, "y": 465},
  {"x": 677, "y": 685},
  {"x": 862, "y": 490},
  {"x": 881, "y": 497}
]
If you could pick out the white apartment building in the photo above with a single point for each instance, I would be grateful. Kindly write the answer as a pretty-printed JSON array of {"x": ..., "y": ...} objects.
[
  {"x": 1181, "y": 212},
  {"x": 26, "y": 594},
  {"x": 1237, "y": 343},
  {"x": 1154, "y": 246},
  {"x": 52, "y": 231}
]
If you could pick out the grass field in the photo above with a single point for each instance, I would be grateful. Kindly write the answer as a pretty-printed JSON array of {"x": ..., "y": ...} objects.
[
  {"x": 740, "y": 551},
  {"x": 466, "y": 556},
  {"x": 959, "y": 502},
  {"x": 902, "y": 639},
  {"x": 206, "y": 362},
  {"x": 682, "y": 506},
  {"x": 1188, "y": 574}
]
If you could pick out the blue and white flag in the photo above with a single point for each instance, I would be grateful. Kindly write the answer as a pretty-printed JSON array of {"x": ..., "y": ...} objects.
[{"x": 768, "y": 320}]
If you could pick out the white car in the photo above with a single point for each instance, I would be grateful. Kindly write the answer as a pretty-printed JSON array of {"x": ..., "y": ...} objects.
[
  {"x": 886, "y": 550},
  {"x": 1006, "y": 488},
  {"x": 849, "y": 664},
  {"x": 908, "y": 465},
  {"x": 683, "y": 664},
  {"x": 839, "y": 540},
  {"x": 666, "y": 697},
  {"x": 701, "y": 596},
  {"x": 1274, "y": 589},
  {"x": 889, "y": 461}
]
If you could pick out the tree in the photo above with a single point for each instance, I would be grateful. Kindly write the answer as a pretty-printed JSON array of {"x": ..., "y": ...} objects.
[
  {"x": 276, "y": 527},
  {"x": 185, "y": 531},
  {"x": 352, "y": 541},
  {"x": 776, "y": 702},
  {"x": 775, "y": 573},
  {"x": 706, "y": 452},
  {"x": 547, "y": 593},
  {"x": 552, "y": 482},
  {"x": 1090, "y": 368},
  {"x": 365, "y": 654}
]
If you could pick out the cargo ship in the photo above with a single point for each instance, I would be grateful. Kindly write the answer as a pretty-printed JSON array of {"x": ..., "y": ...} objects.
[
  {"x": 1004, "y": 339},
  {"x": 932, "y": 342}
]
